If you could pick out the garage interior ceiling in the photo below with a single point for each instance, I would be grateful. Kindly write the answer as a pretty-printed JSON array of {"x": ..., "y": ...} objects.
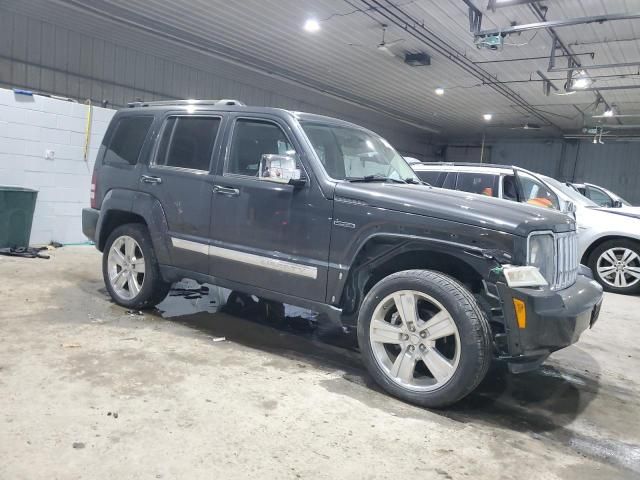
[{"x": 344, "y": 57}]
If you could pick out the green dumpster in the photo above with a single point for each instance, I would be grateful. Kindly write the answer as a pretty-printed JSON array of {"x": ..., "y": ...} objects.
[{"x": 16, "y": 215}]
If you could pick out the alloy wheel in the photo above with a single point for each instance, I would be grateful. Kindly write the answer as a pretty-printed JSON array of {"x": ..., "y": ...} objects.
[
  {"x": 415, "y": 340},
  {"x": 126, "y": 267},
  {"x": 619, "y": 267}
]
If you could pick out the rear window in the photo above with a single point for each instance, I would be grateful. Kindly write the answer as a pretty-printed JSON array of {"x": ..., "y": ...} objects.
[
  {"x": 127, "y": 140},
  {"x": 429, "y": 176},
  {"x": 481, "y": 183}
]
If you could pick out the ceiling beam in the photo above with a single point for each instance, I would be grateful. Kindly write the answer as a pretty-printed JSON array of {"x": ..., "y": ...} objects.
[{"x": 557, "y": 23}]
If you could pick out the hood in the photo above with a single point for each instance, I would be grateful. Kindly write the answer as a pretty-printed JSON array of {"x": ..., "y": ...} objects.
[
  {"x": 633, "y": 212},
  {"x": 472, "y": 209},
  {"x": 609, "y": 220}
]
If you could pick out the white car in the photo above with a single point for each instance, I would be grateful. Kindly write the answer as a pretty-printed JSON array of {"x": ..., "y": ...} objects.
[
  {"x": 609, "y": 239},
  {"x": 606, "y": 198}
]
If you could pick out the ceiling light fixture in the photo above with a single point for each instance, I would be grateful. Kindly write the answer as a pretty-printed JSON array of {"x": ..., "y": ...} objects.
[
  {"x": 608, "y": 112},
  {"x": 581, "y": 83},
  {"x": 487, "y": 116},
  {"x": 311, "y": 25},
  {"x": 439, "y": 91}
]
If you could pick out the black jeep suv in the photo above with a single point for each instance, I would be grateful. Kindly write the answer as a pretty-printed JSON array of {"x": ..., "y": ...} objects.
[{"x": 317, "y": 212}]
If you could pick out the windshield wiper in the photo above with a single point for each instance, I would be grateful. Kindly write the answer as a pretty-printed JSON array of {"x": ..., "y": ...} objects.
[
  {"x": 413, "y": 181},
  {"x": 374, "y": 178}
]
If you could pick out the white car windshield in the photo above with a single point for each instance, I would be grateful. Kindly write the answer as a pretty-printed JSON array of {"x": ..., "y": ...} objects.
[
  {"x": 569, "y": 192},
  {"x": 349, "y": 153}
]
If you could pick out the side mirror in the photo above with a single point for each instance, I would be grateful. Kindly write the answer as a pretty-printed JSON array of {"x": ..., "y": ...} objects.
[
  {"x": 280, "y": 169},
  {"x": 569, "y": 208},
  {"x": 617, "y": 204}
]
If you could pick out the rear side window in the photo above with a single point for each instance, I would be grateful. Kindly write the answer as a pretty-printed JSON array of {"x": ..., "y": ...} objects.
[
  {"x": 481, "y": 183},
  {"x": 450, "y": 181},
  {"x": 127, "y": 139},
  {"x": 187, "y": 142},
  {"x": 429, "y": 176}
]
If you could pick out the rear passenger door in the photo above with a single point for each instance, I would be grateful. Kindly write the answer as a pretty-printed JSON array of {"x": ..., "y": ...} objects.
[{"x": 179, "y": 176}]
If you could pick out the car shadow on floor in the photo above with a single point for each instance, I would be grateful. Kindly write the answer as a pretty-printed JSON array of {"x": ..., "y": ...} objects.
[{"x": 540, "y": 401}]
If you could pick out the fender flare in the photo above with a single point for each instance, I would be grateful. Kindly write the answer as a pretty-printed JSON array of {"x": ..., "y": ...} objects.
[{"x": 143, "y": 205}]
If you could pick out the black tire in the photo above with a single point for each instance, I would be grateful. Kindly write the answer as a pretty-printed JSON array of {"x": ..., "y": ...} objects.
[
  {"x": 473, "y": 327},
  {"x": 603, "y": 247},
  {"x": 153, "y": 289}
]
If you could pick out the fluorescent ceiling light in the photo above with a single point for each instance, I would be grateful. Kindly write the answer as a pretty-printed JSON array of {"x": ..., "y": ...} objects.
[
  {"x": 581, "y": 83},
  {"x": 487, "y": 116},
  {"x": 311, "y": 25},
  {"x": 439, "y": 91}
]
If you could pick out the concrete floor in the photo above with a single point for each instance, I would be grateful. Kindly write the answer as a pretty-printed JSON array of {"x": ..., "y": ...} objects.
[{"x": 89, "y": 391}]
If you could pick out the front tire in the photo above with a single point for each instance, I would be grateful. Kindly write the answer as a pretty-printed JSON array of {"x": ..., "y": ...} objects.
[
  {"x": 616, "y": 266},
  {"x": 130, "y": 268},
  {"x": 424, "y": 338}
]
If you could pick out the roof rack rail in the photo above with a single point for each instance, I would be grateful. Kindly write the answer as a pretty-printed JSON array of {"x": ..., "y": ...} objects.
[
  {"x": 467, "y": 164},
  {"x": 225, "y": 101}
]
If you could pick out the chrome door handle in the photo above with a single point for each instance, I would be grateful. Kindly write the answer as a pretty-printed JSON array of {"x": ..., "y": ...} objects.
[
  {"x": 231, "y": 192},
  {"x": 150, "y": 179}
]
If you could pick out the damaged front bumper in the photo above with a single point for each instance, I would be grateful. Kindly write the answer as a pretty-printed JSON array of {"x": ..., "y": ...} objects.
[{"x": 552, "y": 320}]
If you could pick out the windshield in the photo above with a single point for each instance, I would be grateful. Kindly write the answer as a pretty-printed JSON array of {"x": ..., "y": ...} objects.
[
  {"x": 569, "y": 192},
  {"x": 348, "y": 153},
  {"x": 615, "y": 196}
]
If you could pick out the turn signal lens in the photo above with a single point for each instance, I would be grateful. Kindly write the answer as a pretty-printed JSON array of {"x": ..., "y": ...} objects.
[{"x": 521, "y": 312}]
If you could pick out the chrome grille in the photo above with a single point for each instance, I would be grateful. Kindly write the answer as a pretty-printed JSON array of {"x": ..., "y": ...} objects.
[{"x": 567, "y": 261}]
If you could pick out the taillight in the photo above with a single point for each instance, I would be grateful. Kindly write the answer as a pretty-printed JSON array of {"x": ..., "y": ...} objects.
[{"x": 92, "y": 192}]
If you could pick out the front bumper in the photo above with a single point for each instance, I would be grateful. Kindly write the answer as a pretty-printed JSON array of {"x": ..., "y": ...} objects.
[{"x": 554, "y": 320}]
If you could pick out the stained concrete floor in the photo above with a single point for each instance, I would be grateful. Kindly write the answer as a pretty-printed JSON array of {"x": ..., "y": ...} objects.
[{"x": 89, "y": 391}]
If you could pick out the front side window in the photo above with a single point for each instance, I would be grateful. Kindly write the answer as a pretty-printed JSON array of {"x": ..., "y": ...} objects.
[
  {"x": 480, "y": 183},
  {"x": 187, "y": 142},
  {"x": 127, "y": 140},
  {"x": 536, "y": 193},
  {"x": 348, "y": 153},
  {"x": 599, "y": 197},
  {"x": 251, "y": 140}
]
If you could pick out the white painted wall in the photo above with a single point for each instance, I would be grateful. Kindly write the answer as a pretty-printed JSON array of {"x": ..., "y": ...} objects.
[{"x": 31, "y": 125}]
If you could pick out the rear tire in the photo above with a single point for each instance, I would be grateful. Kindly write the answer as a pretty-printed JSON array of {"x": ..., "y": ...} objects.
[
  {"x": 616, "y": 266},
  {"x": 130, "y": 268},
  {"x": 433, "y": 350}
]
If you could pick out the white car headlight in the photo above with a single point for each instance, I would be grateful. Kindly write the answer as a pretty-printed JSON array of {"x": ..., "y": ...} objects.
[
  {"x": 528, "y": 276},
  {"x": 542, "y": 255}
]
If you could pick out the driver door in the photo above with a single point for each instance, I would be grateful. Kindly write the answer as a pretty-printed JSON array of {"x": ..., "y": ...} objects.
[{"x": 267, "y": 234}]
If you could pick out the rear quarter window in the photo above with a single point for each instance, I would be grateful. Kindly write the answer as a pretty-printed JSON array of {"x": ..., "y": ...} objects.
[{"x": 125, "y": 143}]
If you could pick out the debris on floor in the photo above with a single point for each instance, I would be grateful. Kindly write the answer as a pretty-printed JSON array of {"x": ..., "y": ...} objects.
[
  {"x": 70, "y": 345},
  {"x": 219, "y": 339},
  {"x": 135, "y": 313},
  {"x": 25, "y": 252}
]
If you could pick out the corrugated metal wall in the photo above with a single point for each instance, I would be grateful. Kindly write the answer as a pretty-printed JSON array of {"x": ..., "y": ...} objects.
[{"x": 36, "y": 54}]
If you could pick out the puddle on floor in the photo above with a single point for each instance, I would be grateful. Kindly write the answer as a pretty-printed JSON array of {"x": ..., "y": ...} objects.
[{"x": 187, "y": 297}]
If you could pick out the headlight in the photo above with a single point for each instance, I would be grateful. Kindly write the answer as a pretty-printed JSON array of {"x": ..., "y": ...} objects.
[
  {"x": 528, "y": 276},
  {"x": 542, "y": 255}
]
